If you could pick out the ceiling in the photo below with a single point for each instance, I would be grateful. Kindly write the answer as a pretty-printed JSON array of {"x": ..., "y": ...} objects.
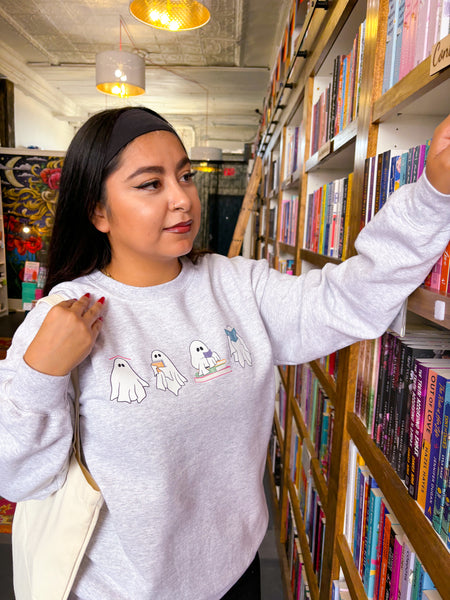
[{"x": 209, "y": 82}]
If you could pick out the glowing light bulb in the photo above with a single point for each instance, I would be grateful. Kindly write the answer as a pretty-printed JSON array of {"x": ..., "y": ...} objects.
[
  {"x": 174, "y": 25},
  {"x": 118, "y": 73},
  {"x": 154, "y": 15},
  {"x": 115, "y": 89},
  {"x": 26, "y": 229},
  {"x": 164, "y": 18},
  {"x": 123, "y": 78}
]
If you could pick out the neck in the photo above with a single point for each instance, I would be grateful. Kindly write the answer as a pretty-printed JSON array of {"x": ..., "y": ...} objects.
[{"x": 143, "y": 276}]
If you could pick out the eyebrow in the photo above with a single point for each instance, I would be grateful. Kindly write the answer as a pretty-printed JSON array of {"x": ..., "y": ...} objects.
[{"x": 156, "y": 169}]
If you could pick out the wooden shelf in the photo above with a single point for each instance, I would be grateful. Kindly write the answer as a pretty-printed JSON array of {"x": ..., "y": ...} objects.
[
  {"x": 286, "y": 248},
  {"x": 292, "y": 182},
  {"x": 423, "y": 301},
  {"x": 407, "y": 91},
  {"x": 337, "y": 153},
  {"x": 318, "y": 260},
  {"x": 426, "y": 542}
]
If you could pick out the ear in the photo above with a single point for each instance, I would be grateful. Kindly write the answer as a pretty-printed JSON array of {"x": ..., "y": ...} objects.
[{"x": 100, "y": 218}]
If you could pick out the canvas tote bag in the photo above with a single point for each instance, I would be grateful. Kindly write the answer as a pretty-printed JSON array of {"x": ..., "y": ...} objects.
[{"x": 50, "y": 536}]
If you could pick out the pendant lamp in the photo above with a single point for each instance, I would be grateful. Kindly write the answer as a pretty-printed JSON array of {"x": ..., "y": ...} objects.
[
  {"x": 170, "y": 15},
  {"x": 120, "y": 73}
]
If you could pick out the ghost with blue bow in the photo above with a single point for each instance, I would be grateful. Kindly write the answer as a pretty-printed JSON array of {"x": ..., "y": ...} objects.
[{"x": 237, "y": 346}]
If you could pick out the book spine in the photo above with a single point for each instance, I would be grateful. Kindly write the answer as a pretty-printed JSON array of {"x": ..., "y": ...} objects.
[
  {"x": 409, "y": 476},
  {"x": 443, "y": 465},
  {"x": 379, "y": 556},
  {"x": 390, "y": 562},
  {"x": 398, "y": 42},
  {"x": 390, "y": 36},
  {"x": 435, "y": 444},
  {"x": 384, "y": 557},
  {"x": 426, "y": 439},
  {"x": 420, "y": 395},
  {"x": 396, "y": 565}
]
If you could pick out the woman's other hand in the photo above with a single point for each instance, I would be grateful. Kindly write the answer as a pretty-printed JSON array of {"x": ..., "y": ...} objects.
[{"x": 66, "y": 336}]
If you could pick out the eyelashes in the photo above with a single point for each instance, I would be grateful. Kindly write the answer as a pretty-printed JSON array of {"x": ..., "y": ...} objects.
[{"x": 156, "y": 183}]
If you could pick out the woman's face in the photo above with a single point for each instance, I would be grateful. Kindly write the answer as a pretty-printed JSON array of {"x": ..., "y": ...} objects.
[{"x": 152, "y": 210}]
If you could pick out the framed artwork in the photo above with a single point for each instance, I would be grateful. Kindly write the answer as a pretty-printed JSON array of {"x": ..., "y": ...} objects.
[{"x": 29, "y": 183}]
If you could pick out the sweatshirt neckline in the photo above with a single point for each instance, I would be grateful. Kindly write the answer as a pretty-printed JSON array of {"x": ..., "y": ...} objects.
[{"x": 116, "y": 287}]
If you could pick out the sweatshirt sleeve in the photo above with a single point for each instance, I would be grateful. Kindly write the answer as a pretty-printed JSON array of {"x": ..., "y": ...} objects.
[
  {"x": 35, "y": 421},
  {"x": 326, "y": 309}
]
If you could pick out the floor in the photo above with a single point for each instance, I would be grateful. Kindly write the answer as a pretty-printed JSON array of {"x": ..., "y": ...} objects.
[{"x": 270, "y": 568}]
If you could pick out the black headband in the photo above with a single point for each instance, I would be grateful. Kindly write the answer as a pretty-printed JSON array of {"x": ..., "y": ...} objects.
[{"x": 131, "y": 124}]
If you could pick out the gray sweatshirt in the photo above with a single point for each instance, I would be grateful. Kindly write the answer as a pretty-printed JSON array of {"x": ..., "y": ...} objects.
[{"x": 178, "y": 398}]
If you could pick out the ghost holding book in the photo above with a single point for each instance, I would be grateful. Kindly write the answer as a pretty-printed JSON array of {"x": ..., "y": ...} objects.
[
  {"x": 167, "y": 375},
  {"x": 126, "y": 384}
]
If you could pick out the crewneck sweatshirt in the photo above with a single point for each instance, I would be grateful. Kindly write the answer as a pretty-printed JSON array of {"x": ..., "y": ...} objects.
[{"x": 177, "y": 399}]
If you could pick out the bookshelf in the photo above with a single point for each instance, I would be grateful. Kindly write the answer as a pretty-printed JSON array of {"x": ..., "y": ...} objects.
[{"x": 305, "y": 153}]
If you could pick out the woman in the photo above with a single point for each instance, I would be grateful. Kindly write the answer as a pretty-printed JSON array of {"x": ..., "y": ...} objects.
[{"x": 176, "y": 365}]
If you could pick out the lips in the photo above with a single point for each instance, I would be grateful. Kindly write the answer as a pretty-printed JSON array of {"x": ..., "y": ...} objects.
[{"x": 183, "y": 227}]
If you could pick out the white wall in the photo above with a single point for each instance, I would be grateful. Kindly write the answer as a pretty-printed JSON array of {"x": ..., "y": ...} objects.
[{"x": 36, "y": 126}]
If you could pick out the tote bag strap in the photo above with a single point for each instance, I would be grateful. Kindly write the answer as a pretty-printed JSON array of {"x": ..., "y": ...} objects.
[{"x": 53, "y": 300}]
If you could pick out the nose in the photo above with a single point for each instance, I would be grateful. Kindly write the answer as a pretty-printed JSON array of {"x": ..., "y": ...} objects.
[{"x": 179, "y": 198}]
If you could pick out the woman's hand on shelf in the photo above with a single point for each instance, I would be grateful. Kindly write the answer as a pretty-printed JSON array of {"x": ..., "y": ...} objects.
[
  {"x": 438, "y": 159},
  {"x": 66, "y": 336}
]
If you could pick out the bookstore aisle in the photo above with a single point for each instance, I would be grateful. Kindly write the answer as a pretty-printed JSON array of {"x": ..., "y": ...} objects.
[{"x": 271, "y": 583}]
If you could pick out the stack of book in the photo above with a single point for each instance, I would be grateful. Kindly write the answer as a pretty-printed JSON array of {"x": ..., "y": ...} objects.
[
  {"x": 338, "y": 103},
  {"x": 292, "y": 150},
  {"x": 383, "y": 555},
  {"x": 327, "y": 218},
  {"x": 414, "y": 26},
  {"x": 386, "y": 173},
  {"x": 403, "y": 397},
  {"x": 318, "y": 414},
  {"x": 289, "y": 215}
]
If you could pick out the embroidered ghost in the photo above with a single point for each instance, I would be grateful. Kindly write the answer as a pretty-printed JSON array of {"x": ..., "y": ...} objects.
[
  {"x": 126, "y": 384},
  {"x": 167, "y": 375},
  {"x": 207, "y": 362},
  {"x": 237, "y": 346}
]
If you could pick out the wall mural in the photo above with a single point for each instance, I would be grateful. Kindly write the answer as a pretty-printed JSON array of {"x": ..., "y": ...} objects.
[{"x": 29, "y": 185}]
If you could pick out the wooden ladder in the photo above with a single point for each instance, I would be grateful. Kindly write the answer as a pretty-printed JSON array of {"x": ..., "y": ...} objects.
[{"x": 246, "y": 209}]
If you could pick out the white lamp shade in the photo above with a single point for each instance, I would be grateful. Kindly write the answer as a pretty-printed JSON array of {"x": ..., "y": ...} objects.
[
  {"x": 120, "y": 73},
  {"x": 206, "y": 153}
]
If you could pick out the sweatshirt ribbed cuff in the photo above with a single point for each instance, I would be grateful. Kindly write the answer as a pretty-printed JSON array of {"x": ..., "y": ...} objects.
[{"x": 30, "y": 387}]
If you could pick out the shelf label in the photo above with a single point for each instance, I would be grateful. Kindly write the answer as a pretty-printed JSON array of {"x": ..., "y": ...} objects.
[
  {"x": 324, "y": 150},
  {"x": 439, "y": 310},
  {"x": 440, "y": 55}
]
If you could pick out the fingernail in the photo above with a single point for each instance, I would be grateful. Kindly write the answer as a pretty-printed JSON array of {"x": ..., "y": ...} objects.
[
  {"x": 100, "y": 319},
  {"x": 87, "y": 295},
  {"x": 102, "y": 300}
]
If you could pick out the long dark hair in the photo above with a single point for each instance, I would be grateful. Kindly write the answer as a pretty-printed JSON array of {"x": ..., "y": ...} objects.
[{"x": 77, "y": 247}]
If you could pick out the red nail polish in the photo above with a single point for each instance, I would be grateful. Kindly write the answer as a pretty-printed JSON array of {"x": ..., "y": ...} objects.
[
  {"x": 87, "y": 295},
  {"x": 102, "y": 300}
]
